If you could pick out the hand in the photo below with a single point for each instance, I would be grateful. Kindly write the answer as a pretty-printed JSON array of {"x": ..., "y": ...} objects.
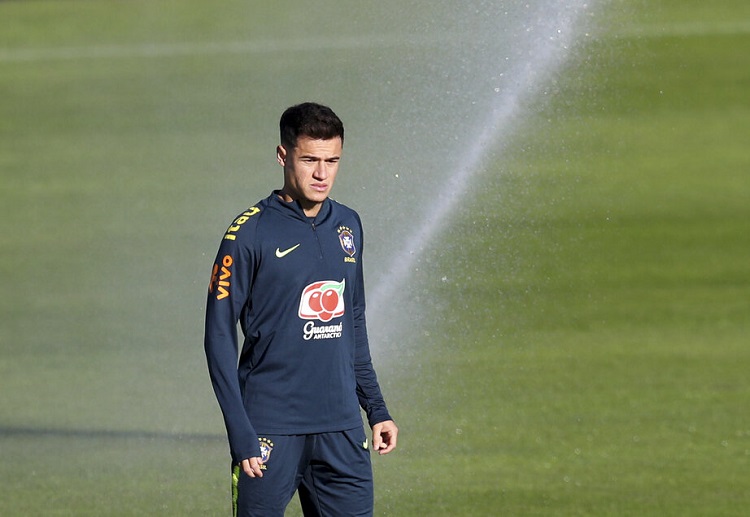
[
  {"x": 384, "y": 435},
  {"x": 251, "y": 467}
]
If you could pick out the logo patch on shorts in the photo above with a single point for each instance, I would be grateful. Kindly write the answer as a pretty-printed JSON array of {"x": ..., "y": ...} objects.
[{"x": 266, "y": 447}]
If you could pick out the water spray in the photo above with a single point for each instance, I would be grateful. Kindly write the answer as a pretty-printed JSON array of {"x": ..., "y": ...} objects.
[{"x": 540, "y": 43}]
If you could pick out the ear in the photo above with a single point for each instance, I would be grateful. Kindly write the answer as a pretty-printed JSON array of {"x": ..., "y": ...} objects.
[{"x": 281, "y": 155}]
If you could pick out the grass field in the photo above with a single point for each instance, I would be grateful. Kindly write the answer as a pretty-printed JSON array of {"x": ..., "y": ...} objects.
[{"x": 579, "y": 341}]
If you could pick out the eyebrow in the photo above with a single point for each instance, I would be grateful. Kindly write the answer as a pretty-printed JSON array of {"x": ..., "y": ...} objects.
[{"x": 315, "y": 157}]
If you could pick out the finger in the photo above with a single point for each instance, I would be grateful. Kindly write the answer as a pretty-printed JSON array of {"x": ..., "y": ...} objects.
[
  {"x": 387, "y": 447},
  {"x": 377, "y": 440},
  {"x": 255, "y": 465},
  {"x": 389, "y": 439},
  {"x": 247, "y": 468},
  {"x": 251, "y": 467}
]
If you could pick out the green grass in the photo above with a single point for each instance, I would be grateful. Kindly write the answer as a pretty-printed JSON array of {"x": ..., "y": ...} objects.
[{"x": 580, "y": 346}]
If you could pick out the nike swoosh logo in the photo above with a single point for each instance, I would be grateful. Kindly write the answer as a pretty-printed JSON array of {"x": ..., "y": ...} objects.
[{"x": 286, "y": 252}]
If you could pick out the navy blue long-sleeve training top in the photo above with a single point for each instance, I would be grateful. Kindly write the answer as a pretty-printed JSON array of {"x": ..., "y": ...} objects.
[{"x": 296, "y": 286}]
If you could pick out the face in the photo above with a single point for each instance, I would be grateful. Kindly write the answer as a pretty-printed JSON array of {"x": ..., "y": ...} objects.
[{"x": 309, "y": 171}]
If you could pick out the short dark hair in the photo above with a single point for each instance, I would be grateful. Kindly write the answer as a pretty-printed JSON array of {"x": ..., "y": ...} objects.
[{"x": 311, "y": 120}]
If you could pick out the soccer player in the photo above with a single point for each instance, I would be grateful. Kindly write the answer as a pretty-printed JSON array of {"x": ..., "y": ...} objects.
[{"x": 289, "y": 269}]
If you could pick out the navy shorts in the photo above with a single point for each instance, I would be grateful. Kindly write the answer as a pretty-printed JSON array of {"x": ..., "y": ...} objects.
[{"x": 331, "y": 472}]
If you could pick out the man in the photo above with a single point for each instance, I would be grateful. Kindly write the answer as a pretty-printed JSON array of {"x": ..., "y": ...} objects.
[{"x": 289, "y": 269}]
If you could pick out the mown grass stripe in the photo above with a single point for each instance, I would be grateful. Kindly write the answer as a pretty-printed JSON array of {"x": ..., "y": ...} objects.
[{"x": 161, "y": 50}]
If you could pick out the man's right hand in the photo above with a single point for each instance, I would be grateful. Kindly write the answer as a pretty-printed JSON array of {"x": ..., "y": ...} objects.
[{"x": 251, "y": 466}]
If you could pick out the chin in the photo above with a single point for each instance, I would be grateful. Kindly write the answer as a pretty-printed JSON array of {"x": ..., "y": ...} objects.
[{"x": 317, "y": 197}]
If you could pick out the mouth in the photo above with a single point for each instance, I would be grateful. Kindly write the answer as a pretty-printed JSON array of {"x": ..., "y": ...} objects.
[{"x": 319, "y": 187}]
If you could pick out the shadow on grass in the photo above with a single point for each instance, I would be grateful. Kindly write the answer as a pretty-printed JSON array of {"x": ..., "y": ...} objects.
[{"x": 38, "y": 432}]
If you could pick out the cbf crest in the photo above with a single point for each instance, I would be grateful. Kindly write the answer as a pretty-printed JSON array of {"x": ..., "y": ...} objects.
[
  {"x": 346, "y": 238},
  {"x": 266, "y": 447}
]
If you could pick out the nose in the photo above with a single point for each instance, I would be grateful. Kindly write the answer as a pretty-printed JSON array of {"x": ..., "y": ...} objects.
[{"x": 321, "y": 171}]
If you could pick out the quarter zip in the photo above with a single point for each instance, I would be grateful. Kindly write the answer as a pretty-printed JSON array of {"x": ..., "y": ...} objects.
[
  {"x": 295, "y": 211},
  {"x": 317, "y": 239}
]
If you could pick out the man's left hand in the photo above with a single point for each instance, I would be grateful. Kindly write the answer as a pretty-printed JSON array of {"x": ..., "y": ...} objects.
[{"x": 384, "y": 436}]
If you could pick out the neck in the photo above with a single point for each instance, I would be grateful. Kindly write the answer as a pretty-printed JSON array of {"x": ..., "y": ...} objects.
[{"x": 310, "y": 208}]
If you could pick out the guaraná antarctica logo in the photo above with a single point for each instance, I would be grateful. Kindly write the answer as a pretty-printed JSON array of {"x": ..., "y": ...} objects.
[{"x": 322, "y": 301}]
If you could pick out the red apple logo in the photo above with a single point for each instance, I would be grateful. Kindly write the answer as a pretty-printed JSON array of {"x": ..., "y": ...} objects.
[{"x": 322, "y": 301}]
